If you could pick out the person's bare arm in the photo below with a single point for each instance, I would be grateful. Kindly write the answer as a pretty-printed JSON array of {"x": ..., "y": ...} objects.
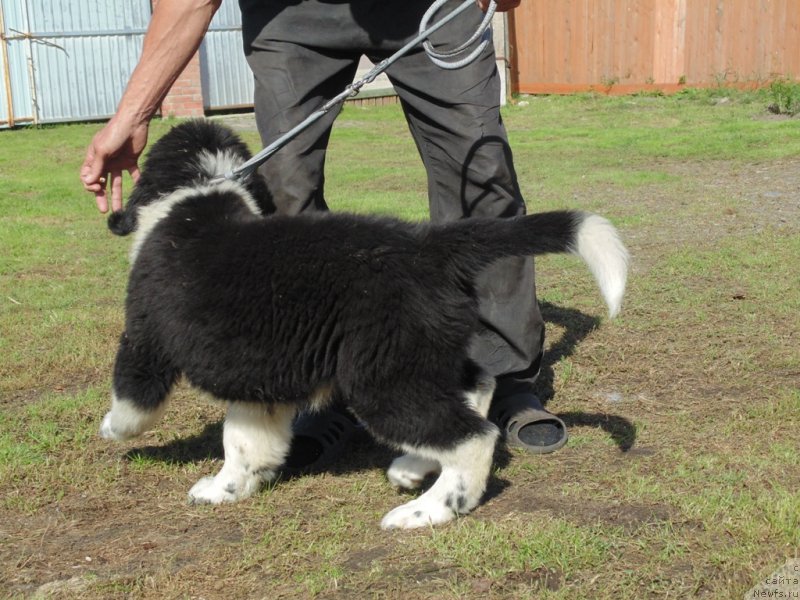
[{"x": 176, "y": 30}]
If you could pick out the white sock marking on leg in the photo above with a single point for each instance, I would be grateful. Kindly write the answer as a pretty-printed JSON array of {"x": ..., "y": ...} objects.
[
  {"x": 465, "y": 471},
  {"x": 481, "y": 397},
  {"x": 256, "y": 439},
  {"x": 126, "y": 420}
]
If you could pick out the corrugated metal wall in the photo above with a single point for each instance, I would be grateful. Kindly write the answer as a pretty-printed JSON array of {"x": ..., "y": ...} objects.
[
  {"x": 627, "y": 45},
  {"x": 68, "y": 60},
  {"x": 227, "y": 80},
  {"x": 16, "y": 85}
]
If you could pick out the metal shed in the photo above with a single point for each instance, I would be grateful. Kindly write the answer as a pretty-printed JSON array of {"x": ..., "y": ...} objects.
[
  {"x": 68, "y": 60},
  {"x": 226, "y": 79}
]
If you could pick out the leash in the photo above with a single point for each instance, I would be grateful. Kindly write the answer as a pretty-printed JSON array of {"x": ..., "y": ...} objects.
[{"x": 441, "y": 59}]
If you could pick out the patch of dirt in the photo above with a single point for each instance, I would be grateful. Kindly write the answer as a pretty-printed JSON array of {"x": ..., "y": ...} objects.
[
  {"x": 708, "y": 201},
  {"x": 363, "y": 559},
  {"x": 580, "y": 509},
  {"x": 765, "y": 194},
  {"x": 109, "y": 540},
  {"x": 74, "y": 384}
]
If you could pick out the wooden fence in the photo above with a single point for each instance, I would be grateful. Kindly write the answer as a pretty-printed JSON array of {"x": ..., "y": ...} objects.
[{"x": 622, "y": 46}]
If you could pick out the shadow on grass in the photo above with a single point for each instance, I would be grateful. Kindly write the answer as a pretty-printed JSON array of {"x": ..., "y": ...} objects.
[
  {"x": 362, "y": 453},
  {"x": 577, "y": 326},
  {"x": 622, "y": 431},
  {"x": 203, "y": 446}
]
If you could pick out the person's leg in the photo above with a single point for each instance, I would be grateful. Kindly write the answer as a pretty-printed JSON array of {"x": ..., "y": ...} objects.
[
  {"x": 454, "y": 117},
  {"x": 291, "y": 82}
]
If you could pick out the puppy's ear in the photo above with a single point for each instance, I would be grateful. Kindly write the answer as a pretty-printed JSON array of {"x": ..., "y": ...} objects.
[{"x": 122, "y": 222}]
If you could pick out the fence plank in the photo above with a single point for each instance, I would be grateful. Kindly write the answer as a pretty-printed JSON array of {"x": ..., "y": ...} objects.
[{"x": 627, "y": 45}]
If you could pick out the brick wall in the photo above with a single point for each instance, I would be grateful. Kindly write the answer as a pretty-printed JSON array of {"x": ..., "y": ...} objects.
[{"x": 185, "y": 98}]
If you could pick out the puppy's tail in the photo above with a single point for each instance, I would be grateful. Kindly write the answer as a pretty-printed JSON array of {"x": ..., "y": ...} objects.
[{"x": 476, "y": 243}]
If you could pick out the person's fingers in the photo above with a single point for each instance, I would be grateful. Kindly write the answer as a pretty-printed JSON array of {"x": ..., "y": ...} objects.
[
  {"x": 92, "y": 178},
  {"x": 116, "y": 191},
  {"x": 92, "y": 168},
  {"x": 102, "y": 200},
  {"x": 112, "y": 151}
]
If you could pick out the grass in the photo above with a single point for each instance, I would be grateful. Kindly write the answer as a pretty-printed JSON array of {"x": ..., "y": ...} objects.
[{"x": 680, "y": 476}]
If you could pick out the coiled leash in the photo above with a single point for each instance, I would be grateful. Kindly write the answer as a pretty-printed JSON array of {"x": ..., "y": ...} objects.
[{"x": 441, "y": 59}]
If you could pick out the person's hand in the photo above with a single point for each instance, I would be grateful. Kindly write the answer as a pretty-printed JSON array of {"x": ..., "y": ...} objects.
[
  {"x": 502, "y": 5},
  {"x": 114, "y": 149}
]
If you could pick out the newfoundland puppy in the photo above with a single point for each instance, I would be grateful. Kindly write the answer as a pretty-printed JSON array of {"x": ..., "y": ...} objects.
[{"x": 279, "y": 314}]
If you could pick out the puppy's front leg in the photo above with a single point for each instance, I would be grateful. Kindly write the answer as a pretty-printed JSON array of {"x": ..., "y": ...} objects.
[
  {"x": 256, "y": 439},
  {"x": 459, "y": 488}
]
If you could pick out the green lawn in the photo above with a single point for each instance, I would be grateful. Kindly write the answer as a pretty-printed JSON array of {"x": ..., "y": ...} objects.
[{"x": 680, "y": 478}]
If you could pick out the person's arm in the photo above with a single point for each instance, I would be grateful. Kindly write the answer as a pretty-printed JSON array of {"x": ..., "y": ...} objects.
[{"x": 176, "y": 30}]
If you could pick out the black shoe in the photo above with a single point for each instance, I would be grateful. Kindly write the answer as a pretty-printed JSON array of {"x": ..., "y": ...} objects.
[{"x": 526, "y": 424}]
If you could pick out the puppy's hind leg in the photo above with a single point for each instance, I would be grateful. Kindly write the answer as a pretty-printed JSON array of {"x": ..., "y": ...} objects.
[
  {"x": 410, "y": 470},
  {"x": 142, "y": 381},
  {"x": 256, "y": 439}
]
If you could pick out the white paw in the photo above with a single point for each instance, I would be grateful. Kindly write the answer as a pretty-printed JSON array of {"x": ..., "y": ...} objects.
[
  {"x": 404, "y": 479},
  {"x": 409, "y": 471},
  {"x": 224, "y": 488},
  {"x": 209, "y": 491},
  {"x": 108, "y": 432},
  {"x": 421, "y": 512}
]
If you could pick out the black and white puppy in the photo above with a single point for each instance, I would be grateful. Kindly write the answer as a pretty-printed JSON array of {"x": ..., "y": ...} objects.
[{"x": 278, "y": 314}]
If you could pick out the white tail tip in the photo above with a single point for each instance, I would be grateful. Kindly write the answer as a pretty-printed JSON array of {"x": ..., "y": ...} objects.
[{"x": 598, "y": 243}]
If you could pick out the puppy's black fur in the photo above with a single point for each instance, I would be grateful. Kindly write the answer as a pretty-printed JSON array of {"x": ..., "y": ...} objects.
[{"x": 375, "y": 312}]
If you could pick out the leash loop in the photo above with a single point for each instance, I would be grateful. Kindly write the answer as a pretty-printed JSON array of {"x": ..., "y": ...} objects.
[{"x": 439, "y": 58}]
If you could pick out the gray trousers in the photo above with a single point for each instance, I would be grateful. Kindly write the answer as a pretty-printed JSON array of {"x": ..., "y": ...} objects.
[{"x": 303, "y": 52}]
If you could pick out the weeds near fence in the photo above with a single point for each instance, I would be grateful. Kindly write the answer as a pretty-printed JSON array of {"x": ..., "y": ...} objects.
[{"x": 785, "y": 96}]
